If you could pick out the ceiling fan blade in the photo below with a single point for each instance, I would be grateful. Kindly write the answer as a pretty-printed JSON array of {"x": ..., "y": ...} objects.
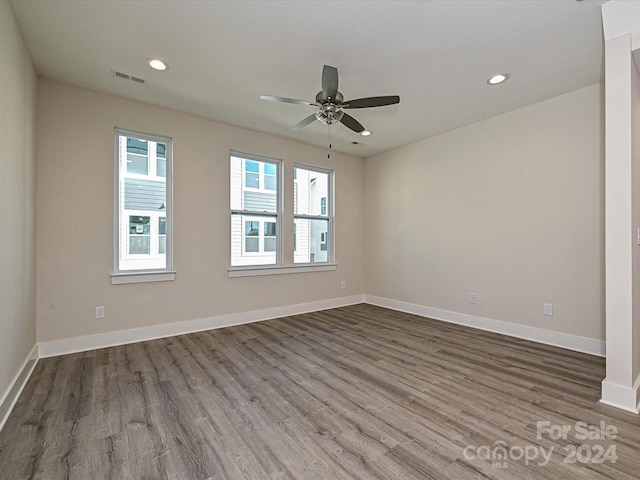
[
  {"x": 329, "y": 82},
  {"x": 303, "y": 123},
  {"x": 287, "y": 100},
  {"x": 351, "y": 123},
  {"x": 372, "y": 102}
]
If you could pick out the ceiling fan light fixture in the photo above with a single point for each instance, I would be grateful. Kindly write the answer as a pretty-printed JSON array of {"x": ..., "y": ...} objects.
[
  {"x": 498, "y": 78},
  {"x": 329, "y": 114},
  {"x": 365, "y": 133},
  {"x": 157, "y": 64}
]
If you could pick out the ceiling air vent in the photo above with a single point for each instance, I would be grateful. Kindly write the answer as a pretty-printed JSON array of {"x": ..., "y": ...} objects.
[{"x": 126, "y": 76}]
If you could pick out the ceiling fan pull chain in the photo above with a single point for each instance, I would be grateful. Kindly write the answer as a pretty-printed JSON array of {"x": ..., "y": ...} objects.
[{"x": 329, "y": 149}]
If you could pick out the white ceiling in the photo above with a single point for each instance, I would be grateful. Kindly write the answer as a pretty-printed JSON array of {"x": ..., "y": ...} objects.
[{"x": 436, "y": 55}]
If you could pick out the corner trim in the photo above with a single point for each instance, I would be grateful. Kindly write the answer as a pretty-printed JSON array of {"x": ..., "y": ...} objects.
[
  {"x": 16, "y": 386},
  {"x": 576, "y": 343},
  {"x": 622, "y": 397},
  {"x": 64, "y": 346}
]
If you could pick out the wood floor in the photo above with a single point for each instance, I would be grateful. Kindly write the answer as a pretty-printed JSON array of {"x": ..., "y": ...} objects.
[{"x": 358, "y": 392}]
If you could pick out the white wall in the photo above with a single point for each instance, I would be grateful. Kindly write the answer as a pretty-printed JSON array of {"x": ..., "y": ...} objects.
[
  {"x": 17, "y": 201},
  {"x": 510, "y": 208},
  {"x": 635, "y": 192},
  {"x": 621, "y": 387},
  {"x": 75, "y": 219}
]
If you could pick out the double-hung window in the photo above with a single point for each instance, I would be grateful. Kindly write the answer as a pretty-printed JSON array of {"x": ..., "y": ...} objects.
[
  {"x": 312, "y": 215},
  {"x": 255, "y": 210},
  {"x": 142, "y": 203}
]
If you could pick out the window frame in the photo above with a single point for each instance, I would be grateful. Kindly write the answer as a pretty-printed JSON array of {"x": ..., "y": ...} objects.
[
  {"x": 257, "y": 216},
  {"x": 328, "y": 216},
  {"x": 153, "y": 274}
]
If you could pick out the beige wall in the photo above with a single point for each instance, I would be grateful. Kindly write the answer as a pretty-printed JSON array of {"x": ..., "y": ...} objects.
[
  {"x": 510, "y": 208},
  {"x": 17, "y": 200},
  {"x": 75, "y": 218}
]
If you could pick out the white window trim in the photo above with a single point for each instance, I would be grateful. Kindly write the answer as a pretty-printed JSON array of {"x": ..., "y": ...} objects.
[
  {"x": 250, "y": 213},
  {"x": 294, "y": 268},
  {"x": 280, "y": 269},
  {"x": 143, "y": 275},
  {"x": 329, "y": 216}
]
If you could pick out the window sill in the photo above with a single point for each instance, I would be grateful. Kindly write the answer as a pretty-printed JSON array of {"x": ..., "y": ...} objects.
[
  {"x": 278, "y": 270},
  {"x": 142, "y": 277}
]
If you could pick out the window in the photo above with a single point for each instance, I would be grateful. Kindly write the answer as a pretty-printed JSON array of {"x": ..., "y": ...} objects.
[
  {"x": 255, "y": 210},
  {"x": 143, "y": 201},
  {"x": 312, "y": 219}
]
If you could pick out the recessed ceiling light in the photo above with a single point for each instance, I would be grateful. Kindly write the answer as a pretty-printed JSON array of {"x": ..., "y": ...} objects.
[
  {"x": 365, "y": 133},
  {"x": 498, "y": 78},
  {"x": 157, "y": 64}
]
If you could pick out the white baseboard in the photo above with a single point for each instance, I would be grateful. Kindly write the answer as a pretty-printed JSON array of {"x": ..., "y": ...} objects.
[
  {"x": 620, "y": 396},
  {"x": 64, "y": 346},
  {"x": 16, "y": 386},
  {"x": 615, "y": 395},
  {"x": 548, "y": 337}
]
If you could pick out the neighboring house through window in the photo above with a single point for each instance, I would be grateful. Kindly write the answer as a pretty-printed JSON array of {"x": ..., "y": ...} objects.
[{"x": 143, "y": 214}]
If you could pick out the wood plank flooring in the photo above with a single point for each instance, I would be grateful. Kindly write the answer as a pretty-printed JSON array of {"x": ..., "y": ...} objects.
[{"x": 359, "y": 392}]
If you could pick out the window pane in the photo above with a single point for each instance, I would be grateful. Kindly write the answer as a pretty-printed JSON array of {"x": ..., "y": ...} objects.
[
  {"x": 253, "y": 240},
  {"x": 139, "y": 225},
  {"x": 312, "y": 237},
  {"x": 311, "y": 188},
  {"x": 269, "y": 236},
  {"x": 269, "y": 168},
  {"x": 139, "y": 245},
  {"x": 270, "y": 229},
  {"x": 248, "y": 191},
  {"x": 143, "y": 197},
  {"x": 135, "y": 145},
  {"x": 252, "y": 229},
  {"x": 252, "y": 244},
  {"x": 254, "y": 211},
  {"x": 270, "y": 182},
  {"x": 252, "y": 166},
  {"x": 251, "y": 180},
  {"x": 161, "y": 167},
  {"x": 137, "y": 164},
  {"x": 269, "y": 244}
]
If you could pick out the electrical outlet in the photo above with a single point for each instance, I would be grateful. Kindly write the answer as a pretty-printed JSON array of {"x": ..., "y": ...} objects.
[
  {"x": 343, "y": 284},
  {"x": 99, "y": 312},
  {"x": 473, "y": 298},
  {"x": 548, "y": 309}
]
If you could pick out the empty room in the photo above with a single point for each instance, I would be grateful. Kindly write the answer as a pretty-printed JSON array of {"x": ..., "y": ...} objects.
[{"x": 320, "y": 239}]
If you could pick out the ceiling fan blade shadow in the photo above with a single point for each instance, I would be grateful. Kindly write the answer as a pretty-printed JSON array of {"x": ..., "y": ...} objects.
[
  {"x": 351, "y": 123},
  {"x": 329, "y": 82},
  {"x": 287, "y": 100},
  {"x": 304, "y": 122},
  {"x": 372, "y": 102}
]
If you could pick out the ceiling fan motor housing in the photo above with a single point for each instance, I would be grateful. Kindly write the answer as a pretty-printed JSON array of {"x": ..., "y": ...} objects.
[{"x": 329, "y": 110}]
